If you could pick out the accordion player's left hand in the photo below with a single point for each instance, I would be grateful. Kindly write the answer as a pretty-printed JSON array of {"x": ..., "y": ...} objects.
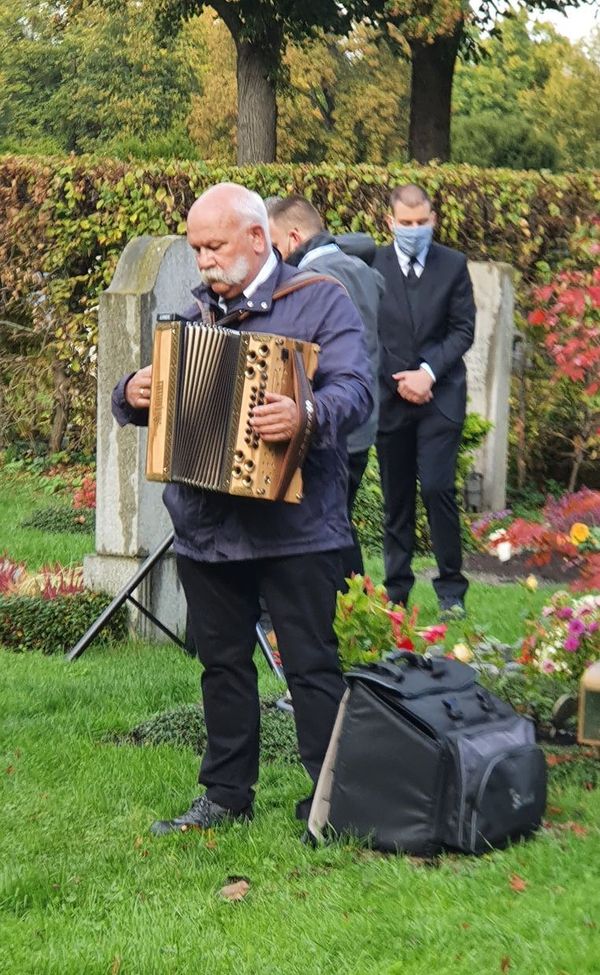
[{"x": 277, "y": 419}]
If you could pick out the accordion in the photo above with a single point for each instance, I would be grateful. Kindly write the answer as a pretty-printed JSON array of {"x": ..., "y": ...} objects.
[{"x": 206, "y": 380}]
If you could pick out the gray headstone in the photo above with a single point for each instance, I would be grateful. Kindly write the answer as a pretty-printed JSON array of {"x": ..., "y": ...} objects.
[
  {"x": 489, "y": 363},
  {"x": 154, "y": 276}
]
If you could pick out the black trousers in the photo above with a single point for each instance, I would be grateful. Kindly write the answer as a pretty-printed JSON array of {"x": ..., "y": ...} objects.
[
  {"x": 425, "y": 446},
  {"x": 223, "y": 603},
  {"x": 352, "y": 557}
]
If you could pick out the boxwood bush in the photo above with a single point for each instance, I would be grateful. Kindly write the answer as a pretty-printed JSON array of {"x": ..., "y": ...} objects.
[{"x": 55, "y": 625}]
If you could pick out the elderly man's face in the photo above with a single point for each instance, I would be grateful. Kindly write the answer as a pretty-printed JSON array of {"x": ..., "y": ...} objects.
[{"x": 229, "y": 251}]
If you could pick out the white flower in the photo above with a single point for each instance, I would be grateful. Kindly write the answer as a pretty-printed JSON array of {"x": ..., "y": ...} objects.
[{"x": 504, "y": 551}]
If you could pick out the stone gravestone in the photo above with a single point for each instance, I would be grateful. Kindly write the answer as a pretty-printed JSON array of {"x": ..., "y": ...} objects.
[
  {"x": 489, "y": 363},
  {"x": 155, "y": 275}
]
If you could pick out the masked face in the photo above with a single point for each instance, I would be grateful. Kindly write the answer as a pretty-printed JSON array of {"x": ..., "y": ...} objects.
[
  {"x": 412, "y": 227},
  {"x": 286, "y": 240},
  {"x": 412, "y": 240}
]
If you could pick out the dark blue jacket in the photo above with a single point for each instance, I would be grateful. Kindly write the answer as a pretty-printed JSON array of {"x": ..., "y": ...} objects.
[{"x": 214, "y": 527}]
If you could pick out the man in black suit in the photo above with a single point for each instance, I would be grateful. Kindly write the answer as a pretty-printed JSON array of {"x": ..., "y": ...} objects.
[{"x": 426, "y": 324}]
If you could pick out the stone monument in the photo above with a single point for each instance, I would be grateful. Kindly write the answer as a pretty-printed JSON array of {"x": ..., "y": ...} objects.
[
  {"x": 489, "y": 364},
  {"x": 155, "y": 275}
]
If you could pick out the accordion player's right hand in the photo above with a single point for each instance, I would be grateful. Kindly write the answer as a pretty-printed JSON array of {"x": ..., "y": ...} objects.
[{"x": 137, "y": 390}]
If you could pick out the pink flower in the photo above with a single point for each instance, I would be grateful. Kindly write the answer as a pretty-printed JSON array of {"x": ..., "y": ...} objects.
[
  {"x": 564, "y": 613},
  {"x": 576, "y": 628},
  {"x": 571, "y": 644},
  {"x": 396, "y": 616},
  {"x": 435, "y": 633},
  {"x": 593, "y": 626},
  {"x": 548, "y": 667}
]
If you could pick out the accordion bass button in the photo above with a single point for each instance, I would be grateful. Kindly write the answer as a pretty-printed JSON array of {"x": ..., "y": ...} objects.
[{"x": 236, "y": 471}]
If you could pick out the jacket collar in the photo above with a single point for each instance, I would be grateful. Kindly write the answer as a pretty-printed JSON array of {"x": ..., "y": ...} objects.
[{"x": 318, "y": 240}]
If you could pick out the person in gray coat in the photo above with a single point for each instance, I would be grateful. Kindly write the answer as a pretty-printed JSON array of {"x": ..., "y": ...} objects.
[{"x": 298, "y": 233}]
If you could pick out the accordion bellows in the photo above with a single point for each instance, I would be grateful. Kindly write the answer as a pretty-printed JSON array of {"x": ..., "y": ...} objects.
[{"x": 206, "y": 380}]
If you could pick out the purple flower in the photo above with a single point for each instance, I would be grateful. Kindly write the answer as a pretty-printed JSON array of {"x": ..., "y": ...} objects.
[
  {"x": 593, "y": 626},
  {"x": 576, "y": 628},
  {"x": 571, "y": 644}
]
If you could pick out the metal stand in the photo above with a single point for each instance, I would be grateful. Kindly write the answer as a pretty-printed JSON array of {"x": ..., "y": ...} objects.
[{"x": 126, "y": 594}]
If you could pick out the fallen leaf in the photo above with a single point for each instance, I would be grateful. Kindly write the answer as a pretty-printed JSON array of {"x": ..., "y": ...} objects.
[
  {"x": 589, "y": 786},
  {"x": 465, "y": 925},
  {"x": 116, "y": 965},
  {"x": 505, "y": 964},
  {"x": 577, "y": 829},
  {"x": 137, "y": 842},
  {"x": 9, "y": 769},
  {"x": 554, "y": 810},
  {"x": 236, "y": 890},
  {"x": 517, "y": 883}
]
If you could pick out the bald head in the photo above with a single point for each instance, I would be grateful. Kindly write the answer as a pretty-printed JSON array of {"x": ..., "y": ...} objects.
[{"x": 228, "y": 229}]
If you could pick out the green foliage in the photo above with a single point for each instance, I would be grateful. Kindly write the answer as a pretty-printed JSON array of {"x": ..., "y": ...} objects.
[
  {"x": 61, "y": 518},
  {"x": 529, "y": 100},
  {"x": 184, "y": 727},
  {"x": 506, "y": 141},
  {"x": 55, "y": 625},
  {"x": 66, "y": 222}
]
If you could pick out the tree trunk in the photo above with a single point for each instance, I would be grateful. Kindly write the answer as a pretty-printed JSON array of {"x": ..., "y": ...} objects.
[
  {"x": 257, "y": 104},
  {"x": 61, "y": 407},
  {"x": 431, "y": 97}
]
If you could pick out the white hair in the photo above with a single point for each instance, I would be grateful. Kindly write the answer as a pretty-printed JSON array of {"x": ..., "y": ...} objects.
[{"x": 250, "y": 205}]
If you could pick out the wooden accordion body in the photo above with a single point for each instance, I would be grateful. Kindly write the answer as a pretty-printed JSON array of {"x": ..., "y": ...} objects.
[{"x": 206, "y": 380}]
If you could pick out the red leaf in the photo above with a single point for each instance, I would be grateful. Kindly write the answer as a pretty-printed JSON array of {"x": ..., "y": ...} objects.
[
  {"x": 537, "y": 317},
  {"x": 505, "y": 964},
  {"x": 517, "y": 883}
]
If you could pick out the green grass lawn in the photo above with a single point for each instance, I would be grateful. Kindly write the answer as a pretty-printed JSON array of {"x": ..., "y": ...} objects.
[{"x": 85, "y": 889}]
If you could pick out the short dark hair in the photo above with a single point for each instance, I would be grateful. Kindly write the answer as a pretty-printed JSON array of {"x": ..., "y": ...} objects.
[
  {"x": 296, "y": 209},
  {"x": 410, "y": 195}
]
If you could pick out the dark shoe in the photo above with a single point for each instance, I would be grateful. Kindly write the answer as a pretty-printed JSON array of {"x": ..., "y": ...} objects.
[
  {"x": 202, "y": 814},
  {"x": 454, "y": 610}
]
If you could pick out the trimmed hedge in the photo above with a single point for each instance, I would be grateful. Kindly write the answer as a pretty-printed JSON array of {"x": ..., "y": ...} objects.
[
  {"x": 62, "y": 518},
  {"x": 55, "y": 625},
  {"x": 65, "y": 223}
]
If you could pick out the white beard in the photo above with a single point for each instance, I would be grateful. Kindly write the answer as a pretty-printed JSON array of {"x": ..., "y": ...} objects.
[{"x": 237, "y": 273}]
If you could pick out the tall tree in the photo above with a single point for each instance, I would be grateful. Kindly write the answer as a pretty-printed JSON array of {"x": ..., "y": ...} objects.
[
  {"x": 260, "y": 30},
  {"x": 436, "y": 30}
]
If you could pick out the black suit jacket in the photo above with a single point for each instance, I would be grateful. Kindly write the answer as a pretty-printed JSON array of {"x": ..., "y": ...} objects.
[{"x": 437, "y": 327}]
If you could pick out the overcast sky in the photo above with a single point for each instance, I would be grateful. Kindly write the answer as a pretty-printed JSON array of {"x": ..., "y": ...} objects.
[{"x": 578, "y": 24}]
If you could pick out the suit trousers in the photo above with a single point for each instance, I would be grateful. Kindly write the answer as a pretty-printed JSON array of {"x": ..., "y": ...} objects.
[
  {"x": 223, "y": 602},
  {"x": 424, "y": 445},
  {"x": 352, "y": 560}
]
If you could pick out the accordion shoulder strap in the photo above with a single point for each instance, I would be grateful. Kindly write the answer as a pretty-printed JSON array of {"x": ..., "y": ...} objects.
[
  {"x": 301, "y": 280},
  {"x": 294, "y": 284}
]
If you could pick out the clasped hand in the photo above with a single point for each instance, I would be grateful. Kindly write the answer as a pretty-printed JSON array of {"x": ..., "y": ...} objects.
[{"x": 414, "y": 385}]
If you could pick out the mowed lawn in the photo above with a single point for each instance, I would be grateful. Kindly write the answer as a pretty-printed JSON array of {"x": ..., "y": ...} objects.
[{"x": 84, "y": 888}]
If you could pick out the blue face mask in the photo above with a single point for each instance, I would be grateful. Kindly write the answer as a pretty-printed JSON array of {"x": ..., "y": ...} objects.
[{"x": 412, "y": 240}]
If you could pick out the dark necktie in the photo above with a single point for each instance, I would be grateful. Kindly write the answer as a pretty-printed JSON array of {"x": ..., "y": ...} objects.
[{"x": 411, "y": 275}]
